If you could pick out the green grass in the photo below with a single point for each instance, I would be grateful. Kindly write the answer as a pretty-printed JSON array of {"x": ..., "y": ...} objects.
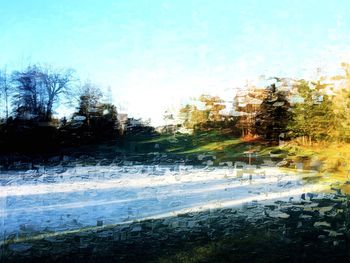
[
  {"x": 219, "y": 143},
  {"x": 225, "y": 147},
  {"x": 213, "y": 146}
]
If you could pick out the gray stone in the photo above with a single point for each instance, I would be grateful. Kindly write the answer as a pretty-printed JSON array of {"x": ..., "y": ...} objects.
[
  {"x": 20, "y": 247},
  {"x": 322, "y": 224},
  {"x": 278, "y": 214}
]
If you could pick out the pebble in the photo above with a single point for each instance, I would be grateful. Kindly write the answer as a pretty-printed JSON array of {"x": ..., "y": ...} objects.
[
  {"x": 322, "y": 224},
  {"x": 278, "y": 214}
]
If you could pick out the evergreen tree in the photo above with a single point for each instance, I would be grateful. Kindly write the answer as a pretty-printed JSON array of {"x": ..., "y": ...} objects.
[
  {"x": 313, "y": 117},
  {"x": 273, "y": 116},
  {"x": 341, "y": 106}
]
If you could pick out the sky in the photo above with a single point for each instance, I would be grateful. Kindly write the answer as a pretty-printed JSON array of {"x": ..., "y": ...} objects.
[{"x": 155, "y": 55}]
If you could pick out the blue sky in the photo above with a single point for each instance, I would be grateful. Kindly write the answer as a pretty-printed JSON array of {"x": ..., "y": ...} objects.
[{"x": 155, "y": 54}]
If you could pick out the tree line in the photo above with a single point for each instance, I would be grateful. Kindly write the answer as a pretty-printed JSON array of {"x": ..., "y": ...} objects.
[
  {"x": 29, "y": 99},
  {"x": 306, "y": 111}
]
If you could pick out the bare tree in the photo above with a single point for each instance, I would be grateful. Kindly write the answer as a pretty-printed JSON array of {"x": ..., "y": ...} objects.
[
  {"x": 5, "y": 90},
  {"x": 38, "y": 89},
  {"x": 56, "y": 82}
]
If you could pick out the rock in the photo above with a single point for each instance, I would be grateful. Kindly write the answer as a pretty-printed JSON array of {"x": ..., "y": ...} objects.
[
  {"x": 278, "y": 104},
  {"x": 67, "y": 158},
  {"x": 315, "y": 164},
  {"x": 200, "y": 157},
  {"x": 55, "y": 159},
  {"x": 283, "y": 163},
  {"x": 332, "y": 233},
  {"x": 268, "y": 162},
  {"x": 136, "y": 228},
  {"x": 191, "y": 224},
  {"x": 105, "y": 234},
  {"x": 21, "y": 166},
  {"x": 123, "y": 236},
  {"x": 322, "y": 224},
  {"x": 79, "y": 118},
  {"x": 323, "y": 210},
  {"x": 278, "y": 214},
  {"x": 210, "y": 162},
  {"x": 311, "y": 195},
  {"x": 302, "y": 216},
  {"x": 20, "y": 247}
]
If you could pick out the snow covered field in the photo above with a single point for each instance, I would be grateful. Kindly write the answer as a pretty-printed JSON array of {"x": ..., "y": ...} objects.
[{"x": 61, "y": 199}]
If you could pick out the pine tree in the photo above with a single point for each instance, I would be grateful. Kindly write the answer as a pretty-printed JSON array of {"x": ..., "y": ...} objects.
[
  {"x": 273, "y": 116},
  {"x": 313, "y": 117}
]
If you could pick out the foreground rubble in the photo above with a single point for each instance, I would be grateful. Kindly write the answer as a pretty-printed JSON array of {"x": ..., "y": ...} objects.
[{"x": 171, "y": 214}]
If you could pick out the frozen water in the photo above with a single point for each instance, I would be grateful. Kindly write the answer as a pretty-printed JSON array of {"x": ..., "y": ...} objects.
[{"x": 61, "y": 199}]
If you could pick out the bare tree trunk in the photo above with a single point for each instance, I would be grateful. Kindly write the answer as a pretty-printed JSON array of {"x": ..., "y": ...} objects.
[
  {"x": 7, "y": 106},
  {"x": 49, "y": 111}
]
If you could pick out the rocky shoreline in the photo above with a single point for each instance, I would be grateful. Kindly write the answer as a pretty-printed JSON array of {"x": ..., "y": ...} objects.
[{"x": 21, "y": 162}]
